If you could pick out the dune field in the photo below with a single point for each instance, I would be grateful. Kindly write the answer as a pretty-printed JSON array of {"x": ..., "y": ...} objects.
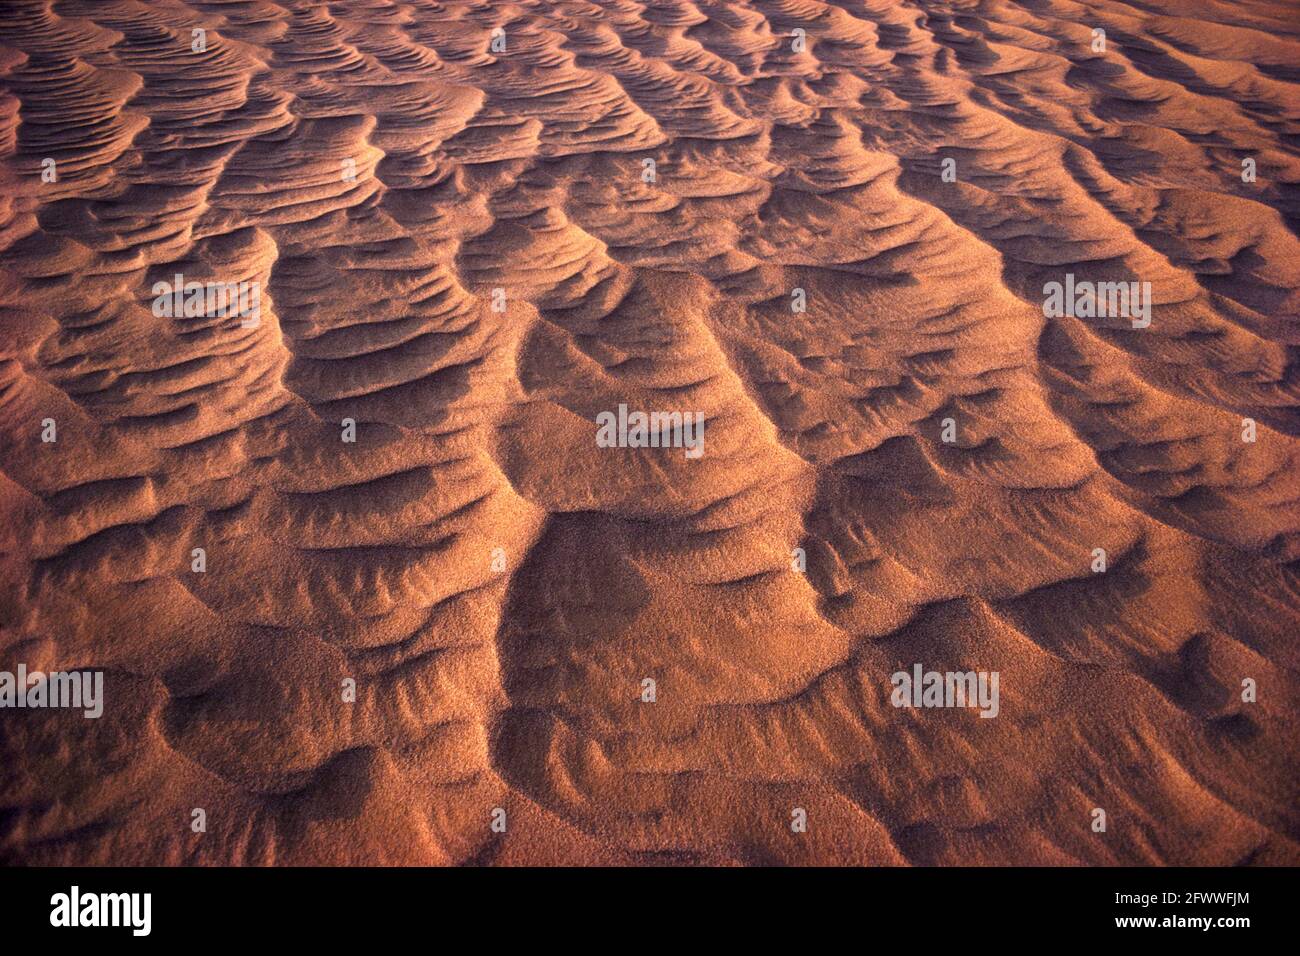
[{"x": 575, "y": 432}]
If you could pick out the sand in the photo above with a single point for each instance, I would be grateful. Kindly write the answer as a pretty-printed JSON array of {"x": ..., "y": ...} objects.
[{"x": 365, "y": 587}]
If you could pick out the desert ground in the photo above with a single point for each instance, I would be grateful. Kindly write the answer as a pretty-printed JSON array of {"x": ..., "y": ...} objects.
[{"x": 366, "y": 578}]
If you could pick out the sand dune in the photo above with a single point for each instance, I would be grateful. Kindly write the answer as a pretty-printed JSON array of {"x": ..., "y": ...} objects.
[{"x": 463, "y": 231}]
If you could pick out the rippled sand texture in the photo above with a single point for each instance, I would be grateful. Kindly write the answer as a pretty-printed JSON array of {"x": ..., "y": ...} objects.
[{"x": 777, "y": 169}]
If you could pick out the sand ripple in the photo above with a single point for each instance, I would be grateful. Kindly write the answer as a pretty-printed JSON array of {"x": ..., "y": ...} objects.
[{"x": 447, "y": 209}]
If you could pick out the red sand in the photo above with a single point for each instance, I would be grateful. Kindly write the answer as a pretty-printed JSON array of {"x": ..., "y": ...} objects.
[{"x": 499, "y": 585}]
